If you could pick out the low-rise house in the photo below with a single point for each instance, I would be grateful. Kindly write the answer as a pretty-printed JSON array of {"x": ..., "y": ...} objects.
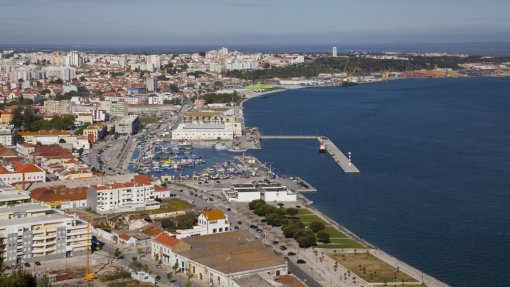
[
  {"x": 210, "y": 221},
  {"x": 25, "y": 149},
  {"x": 61, "y": 197},
  {"x": 218, "y": 259},
  {"x": 44, "y": 137},
  {"x": 95, "y": 133},
  {"x": 85, "y": 118},
  {"x": 21, "y": 173}
]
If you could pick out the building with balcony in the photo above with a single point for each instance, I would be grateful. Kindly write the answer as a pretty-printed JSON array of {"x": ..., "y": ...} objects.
[
  {"x": 33, "y": 232},
  {"x": 122, "y": 197}
]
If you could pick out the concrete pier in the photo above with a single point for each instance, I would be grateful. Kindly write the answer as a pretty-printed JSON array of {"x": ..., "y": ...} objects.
[
  {"x": 332, "y": 149},
  {"x": 338, "y": 156}
]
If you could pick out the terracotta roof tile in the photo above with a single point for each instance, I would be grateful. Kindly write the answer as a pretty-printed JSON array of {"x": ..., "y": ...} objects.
[{"x": 167, "y": 240}]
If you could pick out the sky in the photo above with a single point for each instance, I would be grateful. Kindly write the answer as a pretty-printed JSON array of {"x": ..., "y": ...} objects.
[{"x": 176, "y": 22}]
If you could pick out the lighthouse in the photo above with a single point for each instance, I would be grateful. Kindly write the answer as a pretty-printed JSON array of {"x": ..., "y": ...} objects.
[{"x": 350, "y": 162}]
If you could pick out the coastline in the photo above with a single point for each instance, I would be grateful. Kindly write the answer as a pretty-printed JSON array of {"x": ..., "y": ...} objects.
[{"x": 419, "y": 275}]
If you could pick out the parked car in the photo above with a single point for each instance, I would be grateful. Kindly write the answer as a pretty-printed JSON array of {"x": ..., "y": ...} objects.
[
  {"x": 254, "y": 226},
  {"x": 275, "y": 242},
  {"x": 291, "y": 253},
  {"x": 27, "y": 264},
  {"x": 37, "y": 263},
  {"x": 283, "y": 248},
  {"x": 301, "y": 261}
]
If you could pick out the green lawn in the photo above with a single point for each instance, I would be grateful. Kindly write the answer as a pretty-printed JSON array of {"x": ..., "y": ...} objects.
[
  {"x": 371, "y": 268},
  {"x": 167, "y": 206},
  {"x": 337, "y": 237}
]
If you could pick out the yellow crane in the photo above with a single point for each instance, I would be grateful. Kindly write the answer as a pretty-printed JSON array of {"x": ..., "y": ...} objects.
[
  {"x": 89, "y": 276},
  {"x": 385, "y": 74},
  {"x": 351, "y": 74},
  {"x": 343, "y": 73}
]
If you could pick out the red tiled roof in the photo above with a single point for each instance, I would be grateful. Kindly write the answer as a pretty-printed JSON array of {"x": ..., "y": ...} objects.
[
  {"x": 59, "y": 193},
  {"x": 124, "y": 236},
  {"x": 167, "y": 240},
  {"x": 21, "y": 167}
]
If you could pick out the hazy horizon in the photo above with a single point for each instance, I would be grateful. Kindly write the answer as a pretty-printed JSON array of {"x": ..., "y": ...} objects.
[{"x": 249, "y": 22}]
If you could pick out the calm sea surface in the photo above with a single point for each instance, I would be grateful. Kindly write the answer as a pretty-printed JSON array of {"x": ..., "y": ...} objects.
[{"x": 434, "y": 155}]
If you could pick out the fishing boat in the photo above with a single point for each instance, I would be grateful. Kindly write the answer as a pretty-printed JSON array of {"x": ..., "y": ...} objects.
[{"x": 220, "y": 146}]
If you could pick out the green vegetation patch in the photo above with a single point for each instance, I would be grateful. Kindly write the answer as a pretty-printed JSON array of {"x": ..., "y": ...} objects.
[
  {"x": 341, "y": 243},
  {"x": 258, "y": 87},
  {"x": 371, "y": 268},
  {"x": 171, "y": 205}
]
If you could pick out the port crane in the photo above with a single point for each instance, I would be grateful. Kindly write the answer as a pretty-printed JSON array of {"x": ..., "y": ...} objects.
[{"x": 343, "y": 73}]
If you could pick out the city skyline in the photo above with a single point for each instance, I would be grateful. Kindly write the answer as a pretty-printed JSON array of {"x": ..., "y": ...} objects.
[{"x": 152, "y": 22}]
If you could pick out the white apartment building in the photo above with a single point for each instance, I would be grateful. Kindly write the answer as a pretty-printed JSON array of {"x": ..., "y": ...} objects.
[
  {"x": 33, "y": 232},
  {"x": 57, "y": 107},
  {"x": 7, "y": 134},
  {"x": 121, "y": 197},
  {"x": 10, "y": 196},
  {"x": 210, "y": 221},
  {"x": 21, "y": 173},
  {"x": 74, "y": 59}
]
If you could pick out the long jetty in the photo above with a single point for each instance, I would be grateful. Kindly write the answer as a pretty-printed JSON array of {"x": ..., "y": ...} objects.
[{"x": 332, "y": 149}]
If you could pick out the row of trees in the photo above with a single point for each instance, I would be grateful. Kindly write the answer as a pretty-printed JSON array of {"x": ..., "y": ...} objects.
[
  {"x": 24, "y": 118},
  {"x": 292, "y": 227},
  {"x": 213, "y": 98}
]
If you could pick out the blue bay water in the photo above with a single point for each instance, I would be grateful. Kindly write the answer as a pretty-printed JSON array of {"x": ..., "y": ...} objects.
[{"x": 434, "y": 155}]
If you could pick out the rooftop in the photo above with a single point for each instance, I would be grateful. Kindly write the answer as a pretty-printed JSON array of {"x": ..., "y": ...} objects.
[{"x": 231, "y": 252}]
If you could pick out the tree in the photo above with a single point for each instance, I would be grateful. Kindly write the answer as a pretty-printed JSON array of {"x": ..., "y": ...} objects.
[
  {"x": 175, "y": 266},
  {"x": 306, "y": 239},
  {"x": 2, "y": 250},
  {"x": 254, "y": 203},
  {"x": 28, "y": 119},
  {"x": 17, "y": 117},
  {"x": 134, "y": 258},
  {"x": 323, "y": 236},
  {"x": 19, "y": 278},
  {"x": 174, "y": 88},
  {"x": 292, "y": 212},
  {"x": 317, "y": 226},
  {"x": 117, "y": 253}
]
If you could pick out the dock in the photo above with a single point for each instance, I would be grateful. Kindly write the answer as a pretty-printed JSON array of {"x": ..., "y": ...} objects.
[
  {"x": 338, "y": 156},
  {"x": 332, "y": 149}
]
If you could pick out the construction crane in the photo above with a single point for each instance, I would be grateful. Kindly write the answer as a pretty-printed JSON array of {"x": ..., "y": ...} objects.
[
  {"x": 89, "y": 276},
  {"x": 343, "y": 73}
]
